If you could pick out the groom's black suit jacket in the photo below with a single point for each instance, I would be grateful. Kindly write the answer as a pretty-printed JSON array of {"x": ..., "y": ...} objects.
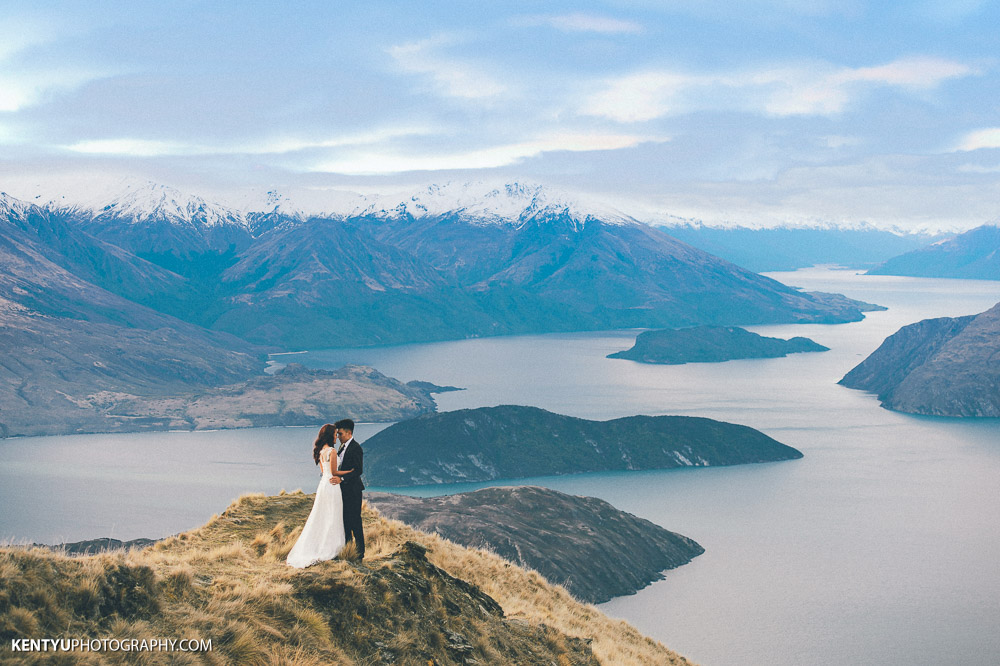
[{"x": 354, "y": 459}]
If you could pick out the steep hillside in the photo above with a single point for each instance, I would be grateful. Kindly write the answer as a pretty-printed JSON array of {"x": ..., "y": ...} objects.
[
  {"x": 69, "y": 339},
  {"x": 324, "y": 284},
  {"x": 939, "y": 367},
  {"x": 416, "y": 599}
]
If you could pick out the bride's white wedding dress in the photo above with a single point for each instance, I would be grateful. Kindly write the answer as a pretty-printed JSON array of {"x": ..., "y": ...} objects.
[{"x": 323, "y": 536}]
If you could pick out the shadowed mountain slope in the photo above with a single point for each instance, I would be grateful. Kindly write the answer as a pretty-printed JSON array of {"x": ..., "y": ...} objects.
[{"x": 939, "y": 367}]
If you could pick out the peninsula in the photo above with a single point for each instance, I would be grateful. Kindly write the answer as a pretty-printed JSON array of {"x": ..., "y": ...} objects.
[
  {"x": 937, "y": 367},
  {"x": 596, "y": 551}
]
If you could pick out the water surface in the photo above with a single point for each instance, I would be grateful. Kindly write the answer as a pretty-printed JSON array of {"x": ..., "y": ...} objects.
[{"x": 879, "y": 546}]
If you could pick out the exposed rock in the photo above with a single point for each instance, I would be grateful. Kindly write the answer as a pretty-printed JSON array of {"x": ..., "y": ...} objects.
[
  {"x": 510, "y": 442},
  {"x": 596, "y": 551},
  {"x": 711, "y": 344}
]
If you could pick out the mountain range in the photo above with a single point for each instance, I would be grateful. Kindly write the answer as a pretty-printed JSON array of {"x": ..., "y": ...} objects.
[
  {"x": 446, "y": 262},
  {"x": 974, "y": 254},
  {"x": 151, "y": 289}
]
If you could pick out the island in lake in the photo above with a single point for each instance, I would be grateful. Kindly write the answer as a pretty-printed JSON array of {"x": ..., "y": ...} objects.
[
  {"x": 711, "y": 344},
  {"x": 596, "y": 551},
  {"x": 937, "y": 367},
  {"x": 510, "y": 442}
]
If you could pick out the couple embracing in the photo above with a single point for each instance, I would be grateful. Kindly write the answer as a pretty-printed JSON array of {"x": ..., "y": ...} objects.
[{"x": 336, "y": 512}]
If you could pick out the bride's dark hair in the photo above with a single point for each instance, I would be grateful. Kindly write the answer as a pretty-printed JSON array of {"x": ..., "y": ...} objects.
[{"x": 327, "y": 435}]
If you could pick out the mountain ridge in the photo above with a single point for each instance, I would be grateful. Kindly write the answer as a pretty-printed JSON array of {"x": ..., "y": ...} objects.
[
  {"x": 974, "y": 254},
  {"x": 541, "y": 263}
]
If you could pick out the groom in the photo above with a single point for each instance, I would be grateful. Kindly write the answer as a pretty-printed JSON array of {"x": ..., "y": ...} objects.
[{"x": 351, "y": 457}]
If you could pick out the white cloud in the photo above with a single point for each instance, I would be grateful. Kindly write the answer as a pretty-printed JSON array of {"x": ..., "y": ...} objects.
[
  {"x": 580, "y": 22},
  {"x": 917, "y": 72},
  {"x": 787, "y": 91},
  {"x": 984, "y": 138},
  {"x": 133, "y": 147},
  {"x": 26, "y": 88},
  {"x": 451, "y": 77},
  {"x": 839, "y": 141},
  {"x": 291, "y": 144},
  {"x": 387, "y": 162},
  {"x": 638, "y": 97}
]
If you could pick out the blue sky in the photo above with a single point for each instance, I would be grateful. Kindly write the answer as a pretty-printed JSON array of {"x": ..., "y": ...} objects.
[{"x": 757, "y": 111}]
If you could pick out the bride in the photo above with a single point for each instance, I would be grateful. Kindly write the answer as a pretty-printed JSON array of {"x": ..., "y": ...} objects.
[{"x": 323, "y": 535}]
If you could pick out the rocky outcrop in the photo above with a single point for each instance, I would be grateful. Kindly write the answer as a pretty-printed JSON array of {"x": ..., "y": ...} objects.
[
  {"x": 711, "y": 344},
  {"x": 510, "y": 442},
  {"x": 938, "y": 367},
  {"x": 596, "y": 551}
]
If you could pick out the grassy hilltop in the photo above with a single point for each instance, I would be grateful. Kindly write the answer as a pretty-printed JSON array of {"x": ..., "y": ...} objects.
[{"x": 416, "y": 599}]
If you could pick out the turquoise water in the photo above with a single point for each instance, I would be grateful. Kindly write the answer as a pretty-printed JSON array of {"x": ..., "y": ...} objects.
[{"x": 879, "y": 546}]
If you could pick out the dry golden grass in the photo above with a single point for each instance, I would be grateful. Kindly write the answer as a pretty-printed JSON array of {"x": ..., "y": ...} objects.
[{"x": 227, "y": 581}]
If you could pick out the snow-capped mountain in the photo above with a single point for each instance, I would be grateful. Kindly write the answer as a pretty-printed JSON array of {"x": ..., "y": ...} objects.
[
  {"x": 12, "y": 207},
  {"x": 484, "y": 203},
  {"x": 147, "y": 201},
  {"x": 149, "y": 219},
  {"x": 456, "y": 260}
]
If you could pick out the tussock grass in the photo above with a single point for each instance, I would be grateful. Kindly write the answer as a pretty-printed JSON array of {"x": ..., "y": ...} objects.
[{"x": 227, "y": 581}]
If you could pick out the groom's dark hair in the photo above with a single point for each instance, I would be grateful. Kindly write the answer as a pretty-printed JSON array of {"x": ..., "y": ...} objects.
[{"x": 346, "y": 424}]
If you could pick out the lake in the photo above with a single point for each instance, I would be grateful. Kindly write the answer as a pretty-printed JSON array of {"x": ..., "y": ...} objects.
[{"x": 880, "y": 546}]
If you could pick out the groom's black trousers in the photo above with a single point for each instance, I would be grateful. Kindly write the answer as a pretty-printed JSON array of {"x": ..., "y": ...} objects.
[{"x": 352, "y": 520}]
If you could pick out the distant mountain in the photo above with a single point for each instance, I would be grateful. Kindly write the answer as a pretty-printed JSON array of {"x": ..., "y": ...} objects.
[
  {"x": 939, "y": 367},
  {"x": 510, "y": 442},
  {"x": 446, "y": 262},
  {"x": 790, "y": 248},
  {"x": 596, "y": 551},
  {"x": 710, "y": 344},
  {"x": 974, "y": 255},
  {"x": 66, "y": 338}
]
